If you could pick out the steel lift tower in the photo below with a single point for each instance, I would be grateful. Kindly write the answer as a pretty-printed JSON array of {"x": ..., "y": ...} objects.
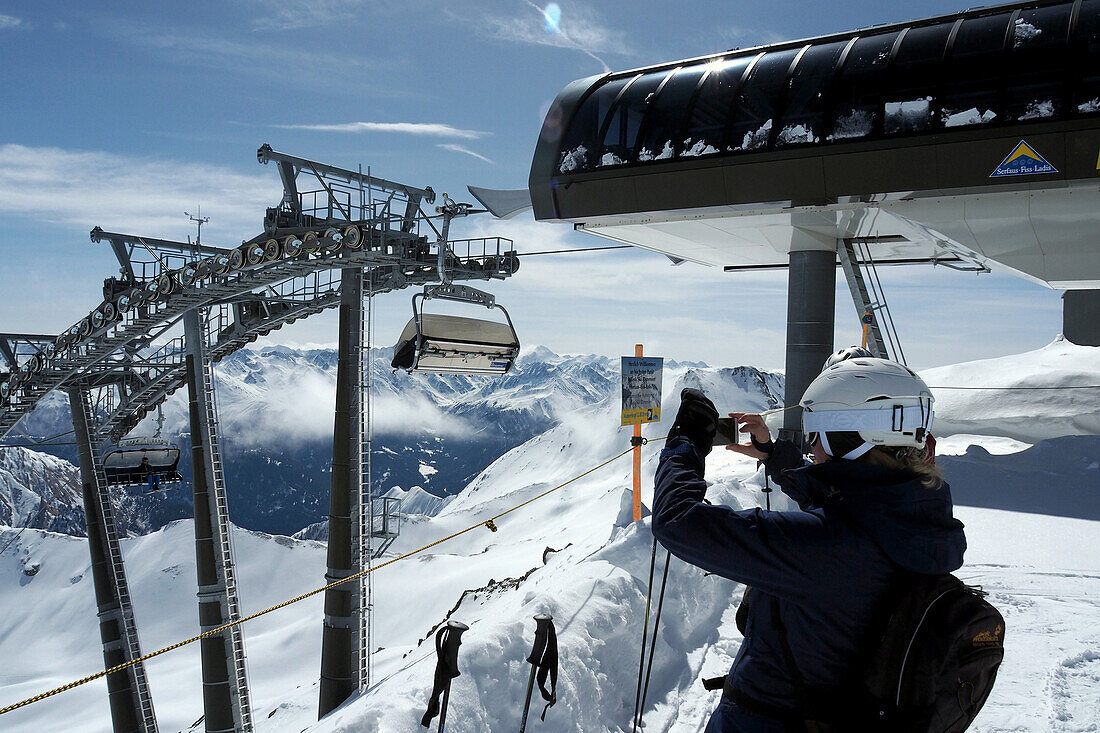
[{"x": 323, "y": 246}]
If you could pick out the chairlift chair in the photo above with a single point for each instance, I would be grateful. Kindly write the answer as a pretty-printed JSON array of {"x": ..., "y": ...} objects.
[
  {"x": 445, "y": 344},
  {"x": 122, "y": 465}
]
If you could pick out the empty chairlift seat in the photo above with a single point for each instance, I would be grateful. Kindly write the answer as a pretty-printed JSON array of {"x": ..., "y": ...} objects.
[{"x": 448, "y": 344}]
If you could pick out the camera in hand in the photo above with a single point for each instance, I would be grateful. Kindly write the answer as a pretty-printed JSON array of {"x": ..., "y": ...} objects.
[{"x": 727, "y": 431}]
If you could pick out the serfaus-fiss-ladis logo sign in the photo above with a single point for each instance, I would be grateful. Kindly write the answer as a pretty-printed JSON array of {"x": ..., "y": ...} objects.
[{"x": 1023, "y": 161}]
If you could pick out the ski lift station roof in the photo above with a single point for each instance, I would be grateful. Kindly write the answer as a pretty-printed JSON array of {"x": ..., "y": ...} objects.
[{"x": 971, "y": 138}]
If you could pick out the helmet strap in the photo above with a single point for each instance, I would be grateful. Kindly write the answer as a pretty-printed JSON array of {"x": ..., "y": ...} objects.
[{"x": 850, "y": 455}]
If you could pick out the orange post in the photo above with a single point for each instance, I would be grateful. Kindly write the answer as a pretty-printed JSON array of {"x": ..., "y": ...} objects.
[{"x": 637, "y": 459}]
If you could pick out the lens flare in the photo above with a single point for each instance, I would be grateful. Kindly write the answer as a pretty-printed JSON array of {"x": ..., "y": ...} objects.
[{"x": 552, "y": 14}]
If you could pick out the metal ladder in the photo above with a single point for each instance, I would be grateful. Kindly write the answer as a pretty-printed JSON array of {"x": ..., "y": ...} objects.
[
  {"x": 870, "y": 300},
  {"x": 365, "y": 493},
  {"x": 232, "y": 612},
  {"x": 131, "y": 645}
]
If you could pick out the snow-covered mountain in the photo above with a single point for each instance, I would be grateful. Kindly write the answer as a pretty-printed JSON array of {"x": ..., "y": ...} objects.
[
  {"x": 433, "y": 433},
  {"x": 40, "y": 491},
  {"x": 575, "y": 554}
]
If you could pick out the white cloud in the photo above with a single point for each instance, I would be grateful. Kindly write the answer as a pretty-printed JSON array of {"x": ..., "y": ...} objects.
[
  {"x": 305, "y": 64},
  {"x": 430, "y": 129},
  {"x": 580, "y": 29},
  {"x": 294, "y": 14},
  {"x": 82, "y": 189},
  {"x": 10, "y": 21},
  {"x": 740, "y": 35},
  {"x": 460, "y": 149}
]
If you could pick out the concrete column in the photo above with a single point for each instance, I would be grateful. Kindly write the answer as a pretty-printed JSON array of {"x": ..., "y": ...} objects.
[
  {"x": 1081, "y": 317},
  {"x": 340, "y": 638},
  {"x": 218, "y": 700},
  {"x": 123, "y": 698},
  {"x": 811, "y": 317}
]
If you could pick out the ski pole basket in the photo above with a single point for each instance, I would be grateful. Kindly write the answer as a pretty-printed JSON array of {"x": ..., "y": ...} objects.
[{"x": 446, "y": 344}]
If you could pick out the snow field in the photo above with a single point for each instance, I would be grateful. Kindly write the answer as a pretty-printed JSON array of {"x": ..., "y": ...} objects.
[{"x": 1042, "y": 572}]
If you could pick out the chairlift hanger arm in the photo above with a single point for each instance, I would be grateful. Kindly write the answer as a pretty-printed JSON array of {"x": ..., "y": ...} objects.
[
  {"x": 265, "y": 155},
  {"x": 119, "y": 241}
]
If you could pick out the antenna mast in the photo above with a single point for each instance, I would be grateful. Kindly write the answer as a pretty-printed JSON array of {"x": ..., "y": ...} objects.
[{"x": 199, "y": 220}]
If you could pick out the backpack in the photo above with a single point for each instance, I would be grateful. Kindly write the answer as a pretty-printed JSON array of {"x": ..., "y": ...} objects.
[
  {"x": 936, "y": 658},
  {"x": 937, "y": 649}
]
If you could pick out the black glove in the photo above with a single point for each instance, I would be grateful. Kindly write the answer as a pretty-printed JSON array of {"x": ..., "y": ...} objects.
[{"x": 696, "y": 420}]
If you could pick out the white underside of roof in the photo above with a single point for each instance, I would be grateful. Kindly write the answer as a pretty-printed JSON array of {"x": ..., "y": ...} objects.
[{"x": 1047, "y": 235}]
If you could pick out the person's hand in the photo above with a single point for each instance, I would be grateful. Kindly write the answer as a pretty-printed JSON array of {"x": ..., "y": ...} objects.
[
  {"x": 754, "y": 425},
  {"x": 696, "y": 420}
]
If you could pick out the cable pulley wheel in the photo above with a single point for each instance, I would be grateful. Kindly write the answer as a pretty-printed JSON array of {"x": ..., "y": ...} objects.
[
  {"x": 236, "y": 259},
  {"x": 254, "y": 253},
  {"x": 85, "y": 328},
  {"x": 97, "y": 319},
  {"x": 165, "y": 284},
  {"x": 221, "y": 264},
  {"x": 188, "y": 275},
  {"x": 203, "y": 269},
  {"x": 271, "y": 250},
  {"x": 311, "y": 243},
  {"x": 292, "y": 246},
  {"x": 110, "y": 312},
  {"x": 353, "y": 237},
  {"x": 332, "y": 240}
]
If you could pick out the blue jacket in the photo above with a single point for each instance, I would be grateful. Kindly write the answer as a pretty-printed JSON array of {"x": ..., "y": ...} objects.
[{"x": 829, "y": 565}]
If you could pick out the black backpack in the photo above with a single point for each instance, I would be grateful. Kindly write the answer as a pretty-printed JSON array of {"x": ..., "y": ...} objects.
[
  {"x": 933, "y": 663},
  {"x": 936, "y": 658}
]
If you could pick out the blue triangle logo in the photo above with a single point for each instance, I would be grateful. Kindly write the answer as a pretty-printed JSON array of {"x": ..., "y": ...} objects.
[{"x": 1023, "y": 161}]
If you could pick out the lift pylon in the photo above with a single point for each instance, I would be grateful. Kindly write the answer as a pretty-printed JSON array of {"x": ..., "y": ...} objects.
[
  {"x": 224, "y": 673},
  {"x": 128, "y": 690}
]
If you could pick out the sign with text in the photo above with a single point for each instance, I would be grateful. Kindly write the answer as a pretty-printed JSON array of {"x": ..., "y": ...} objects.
[{"x": 641, "y": 389}]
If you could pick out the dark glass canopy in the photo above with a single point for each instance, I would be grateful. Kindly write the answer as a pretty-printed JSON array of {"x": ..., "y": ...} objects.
[{"x": 1018, "y": 64}]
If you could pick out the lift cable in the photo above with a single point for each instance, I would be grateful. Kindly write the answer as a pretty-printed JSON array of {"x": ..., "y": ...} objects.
[{"x": 489, "y": 523}]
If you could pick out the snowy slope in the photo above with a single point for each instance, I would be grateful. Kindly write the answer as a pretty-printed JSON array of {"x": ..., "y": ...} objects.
[
  {"x": 574, "y": 554},
  {"x": 1045, "y": 407},
  {"x": 40, "y": 491}
]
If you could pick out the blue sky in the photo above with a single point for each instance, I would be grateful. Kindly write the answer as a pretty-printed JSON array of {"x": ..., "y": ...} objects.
[{"x": 126, "y": 114}]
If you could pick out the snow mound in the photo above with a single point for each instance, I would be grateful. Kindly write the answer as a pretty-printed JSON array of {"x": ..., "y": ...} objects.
[{"x": 1041, "y": 402}]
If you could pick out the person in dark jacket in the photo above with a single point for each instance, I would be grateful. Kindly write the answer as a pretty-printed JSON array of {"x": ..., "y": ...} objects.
[{"x": 870, "y": 507}]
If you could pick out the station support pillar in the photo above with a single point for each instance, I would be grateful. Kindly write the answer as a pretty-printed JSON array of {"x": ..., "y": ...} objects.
[
  {"x": 340, "y": 641},
  {"x": 811, "y": 317},
  {"x": 224, "y": 685},
  {"x": 121, "y": 692},
  {"x": 1081, "y": 317}
]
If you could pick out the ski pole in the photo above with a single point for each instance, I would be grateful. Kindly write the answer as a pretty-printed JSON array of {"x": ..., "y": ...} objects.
[
  {"x": 645, "y": 633},
  {"x": 653, "y": 643},
  {"x": 447, "y": 641},
  {"x": 451, "y": 643},
  {"x": 542, "y": 631}
]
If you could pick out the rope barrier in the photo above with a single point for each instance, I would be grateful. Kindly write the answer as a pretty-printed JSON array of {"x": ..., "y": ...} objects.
[{"x": 490, "y": 523}]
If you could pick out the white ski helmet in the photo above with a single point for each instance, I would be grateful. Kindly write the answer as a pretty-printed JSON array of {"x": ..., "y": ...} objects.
[{"x": 886, "y": 403}]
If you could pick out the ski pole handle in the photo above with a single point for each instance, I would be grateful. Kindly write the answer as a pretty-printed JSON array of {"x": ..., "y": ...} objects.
[
  {"x": 451, "y": 642},
  {"x": 542, "y": 633}
]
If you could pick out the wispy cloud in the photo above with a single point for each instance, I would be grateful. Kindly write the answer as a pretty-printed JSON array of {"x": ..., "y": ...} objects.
[
  {"x": 10, "y": 21},
  {"x": 460, "y": 149},
  {"x": 430, "y": 129},
  {"x": 580, "y": 29},
  {"x": 296, "y": 63},
  {"x": 735, "y": 36},
  {"x": 295, "y": 14},
  {"x": 81, "y": 189}
]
